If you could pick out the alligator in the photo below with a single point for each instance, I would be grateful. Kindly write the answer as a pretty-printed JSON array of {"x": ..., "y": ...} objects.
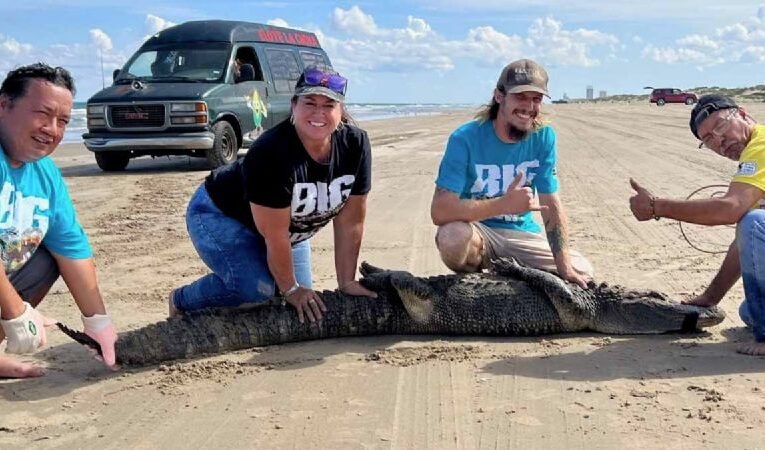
[{"x": 510, "y": 300}]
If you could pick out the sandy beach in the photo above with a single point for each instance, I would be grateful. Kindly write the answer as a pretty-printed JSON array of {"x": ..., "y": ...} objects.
[{"x": 562, "y": 391}]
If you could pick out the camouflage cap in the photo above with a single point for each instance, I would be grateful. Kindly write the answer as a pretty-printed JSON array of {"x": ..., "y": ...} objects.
[{"x": 523, "y": 75}]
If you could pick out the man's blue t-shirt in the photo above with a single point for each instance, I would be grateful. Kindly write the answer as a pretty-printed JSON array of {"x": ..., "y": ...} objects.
[
  {"x": 477, "y": 165},
  {"x": 35, "y": 208}
]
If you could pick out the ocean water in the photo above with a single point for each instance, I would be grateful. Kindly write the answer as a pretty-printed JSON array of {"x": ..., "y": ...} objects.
[{"x": 359, "y": 111}]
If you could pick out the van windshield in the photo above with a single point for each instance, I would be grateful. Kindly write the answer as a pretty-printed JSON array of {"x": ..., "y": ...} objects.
[{"x": 187, "y": 61}]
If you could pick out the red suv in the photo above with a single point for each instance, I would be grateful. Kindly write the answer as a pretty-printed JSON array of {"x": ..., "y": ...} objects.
[{"x": 671, "y": 95}]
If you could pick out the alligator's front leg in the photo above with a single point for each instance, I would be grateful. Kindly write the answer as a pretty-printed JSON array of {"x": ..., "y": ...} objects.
[{"x": 573, "y": 306}]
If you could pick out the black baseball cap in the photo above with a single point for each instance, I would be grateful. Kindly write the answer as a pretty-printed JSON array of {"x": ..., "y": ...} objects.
[
  {"x": 321, "y": 81},
  {"x": 707, "y": 105}
]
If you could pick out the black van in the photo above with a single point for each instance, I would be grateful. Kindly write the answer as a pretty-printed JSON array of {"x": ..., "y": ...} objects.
[{"x": 203, "y": 88}]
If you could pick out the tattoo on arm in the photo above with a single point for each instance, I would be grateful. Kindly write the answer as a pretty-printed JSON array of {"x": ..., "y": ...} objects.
[{"x": 557, "y": 240}]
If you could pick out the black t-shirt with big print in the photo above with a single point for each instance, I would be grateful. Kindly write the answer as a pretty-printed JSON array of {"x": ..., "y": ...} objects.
[{"x": 278, "y": 172}]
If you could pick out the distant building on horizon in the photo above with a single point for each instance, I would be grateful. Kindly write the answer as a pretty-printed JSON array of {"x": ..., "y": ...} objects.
[
  {"x": 602, "y": 94},
  {"x": 590, "y": 91}
]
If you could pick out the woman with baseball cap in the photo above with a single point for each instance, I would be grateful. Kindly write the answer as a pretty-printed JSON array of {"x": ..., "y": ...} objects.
[{"x": 250, "y": 221}]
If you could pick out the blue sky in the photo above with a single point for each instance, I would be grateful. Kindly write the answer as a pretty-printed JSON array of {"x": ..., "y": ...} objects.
[{"x": 428, "y": 51}]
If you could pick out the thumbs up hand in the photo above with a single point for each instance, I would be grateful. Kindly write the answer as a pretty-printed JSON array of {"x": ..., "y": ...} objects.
[
  {"x": 519, "y": 199},
  {"x": 642, "y": 203}
]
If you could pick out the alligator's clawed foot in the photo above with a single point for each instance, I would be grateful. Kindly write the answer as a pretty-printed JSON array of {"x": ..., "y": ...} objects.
[
  {"x": 508, "y": 267},
  {"x": 367, "y": 269},
  {"x": 417, "y": 296},
  {"x": 80, "y": 337}
]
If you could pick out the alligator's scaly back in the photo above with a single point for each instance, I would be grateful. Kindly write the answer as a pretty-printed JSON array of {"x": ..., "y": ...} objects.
[{"x": 515, "y": 301}]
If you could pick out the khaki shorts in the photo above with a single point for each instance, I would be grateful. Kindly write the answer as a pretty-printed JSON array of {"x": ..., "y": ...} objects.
[{"x": 531, "y": 249}]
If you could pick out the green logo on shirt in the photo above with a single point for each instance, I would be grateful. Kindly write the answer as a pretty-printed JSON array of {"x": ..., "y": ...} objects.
[{"x": 32, "y": 328}]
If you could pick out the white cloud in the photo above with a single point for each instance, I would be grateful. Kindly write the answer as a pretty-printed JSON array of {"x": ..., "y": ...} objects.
[
  {"x": 742, "y": 42},
  {"x": 568, "y": 48},
  {"x": 699, "y": 41},
  {"x": 278, "y": 23},
  {"x": 599, "y": 10},
  {"x": 12, "y": 47},
  {"x": 753, "y": 55},
  {"x": 417, "y": 28},
  {"x": 490, "y": 46},
  {"x": 417, "y": 46},
  {"x": 672, "y": 56},
  {"x": 354, "y": 21},
  {"x": 155, "y": 24},
  {"x": 101, "y": 40}
]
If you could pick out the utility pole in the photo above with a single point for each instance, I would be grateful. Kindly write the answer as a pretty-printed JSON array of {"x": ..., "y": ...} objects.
[{"x": 101, "y": 54}]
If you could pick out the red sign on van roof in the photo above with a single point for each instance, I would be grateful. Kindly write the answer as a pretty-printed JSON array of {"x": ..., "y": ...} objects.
[{"x": 288, "y": 37}]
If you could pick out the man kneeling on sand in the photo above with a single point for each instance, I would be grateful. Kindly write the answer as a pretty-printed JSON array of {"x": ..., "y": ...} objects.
[
  {"x": 486, "y": 183},
  {"x": 728, "y": 130},
  {"x": 39, "y": 232}
]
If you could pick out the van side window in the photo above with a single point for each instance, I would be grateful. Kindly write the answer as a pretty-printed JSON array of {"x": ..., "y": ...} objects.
[
  {"x": 284, "y": 69},
  {"x": 314, "y": 59},
  {"x": 245, "y": 56}
]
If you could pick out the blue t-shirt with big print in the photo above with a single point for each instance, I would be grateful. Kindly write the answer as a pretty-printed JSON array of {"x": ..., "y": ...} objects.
[
  {"x": 35, "y": 208},
  {"x": 477, "y": 165}
]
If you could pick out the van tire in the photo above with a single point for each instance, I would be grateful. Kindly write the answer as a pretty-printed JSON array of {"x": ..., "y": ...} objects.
[
  {"x": 112, "y": 161},
  {"x": 225, "y": 146},
  {"x": 689, "y": 101},
  {"x": 660, "y": 102}
]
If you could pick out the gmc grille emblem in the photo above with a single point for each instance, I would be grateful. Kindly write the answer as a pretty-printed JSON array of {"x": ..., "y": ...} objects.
[{"x": 136, "y": 115}]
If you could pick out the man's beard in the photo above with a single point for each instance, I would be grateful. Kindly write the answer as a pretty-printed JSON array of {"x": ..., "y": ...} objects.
[{"x": 515, "y": 133}]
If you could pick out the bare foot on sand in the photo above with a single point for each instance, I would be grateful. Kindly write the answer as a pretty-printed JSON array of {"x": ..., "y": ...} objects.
[
  {"x": 752, "y": 348},
  {"x": 10, "y": 368}
]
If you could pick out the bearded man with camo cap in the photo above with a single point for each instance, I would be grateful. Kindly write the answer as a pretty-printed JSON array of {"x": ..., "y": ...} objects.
[{"x": 496, "y": 170}]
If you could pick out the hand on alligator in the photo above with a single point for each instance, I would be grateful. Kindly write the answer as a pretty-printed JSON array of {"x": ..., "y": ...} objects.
[
  {"x": 26, "y": 333},
  {"x": 307, "y": 303},
  {"x": 572, "y": 276},
  {"x": 705, "y": 300},
  {"x": 519, "y": 199},
  {"x": 100, "y": 328},
  {"x": 355, "y": 288}
]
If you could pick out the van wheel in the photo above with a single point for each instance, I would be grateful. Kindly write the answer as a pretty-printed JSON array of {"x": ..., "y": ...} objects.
[
  {"x": 660, "y": 102},
  {"x": 689, "y": 101},
  {"x": 224, "y": 147},
  {"x": 112, "y": 161}
]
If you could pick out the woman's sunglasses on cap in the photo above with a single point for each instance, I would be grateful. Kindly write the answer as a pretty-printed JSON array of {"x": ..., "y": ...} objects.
[{"x": 333, "y": 81}]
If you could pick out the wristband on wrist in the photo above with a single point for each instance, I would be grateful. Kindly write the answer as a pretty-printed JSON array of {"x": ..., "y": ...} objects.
[
  {"x": 652, "y": 202},
  {"x": 291, "y": 290}
]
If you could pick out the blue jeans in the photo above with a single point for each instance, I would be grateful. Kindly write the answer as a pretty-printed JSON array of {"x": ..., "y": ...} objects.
[
  {"x": 750, "y": 236},
  {"x": 237, "y": 257}
]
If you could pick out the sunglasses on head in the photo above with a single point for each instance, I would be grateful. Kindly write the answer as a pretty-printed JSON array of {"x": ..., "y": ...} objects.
[{"x": 333, "y": 81}]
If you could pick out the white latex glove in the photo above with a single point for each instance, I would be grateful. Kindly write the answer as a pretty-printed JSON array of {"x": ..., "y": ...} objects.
[
  {"x": 101, "y": 329},
  {"x": 26, "y": 333}
]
